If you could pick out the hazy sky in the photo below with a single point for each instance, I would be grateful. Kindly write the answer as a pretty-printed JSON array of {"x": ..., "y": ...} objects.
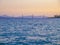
[{"x": 28, "y": 7}]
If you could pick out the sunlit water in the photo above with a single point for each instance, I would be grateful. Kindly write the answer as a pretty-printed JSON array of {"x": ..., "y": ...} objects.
[{"x": 30, "y": 31}]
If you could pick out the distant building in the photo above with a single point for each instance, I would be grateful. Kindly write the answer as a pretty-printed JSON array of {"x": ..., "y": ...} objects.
[{"x": 57, "y": 16}]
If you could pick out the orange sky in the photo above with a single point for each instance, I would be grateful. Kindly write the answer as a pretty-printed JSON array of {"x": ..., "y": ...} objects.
[{"x": 28, "y": 7}]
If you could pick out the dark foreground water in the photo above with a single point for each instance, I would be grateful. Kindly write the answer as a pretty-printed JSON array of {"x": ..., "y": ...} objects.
[{"x": 30, "y": 32}]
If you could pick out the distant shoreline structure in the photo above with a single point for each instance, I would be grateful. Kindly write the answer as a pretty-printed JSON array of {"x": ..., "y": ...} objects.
[{"x": 55, "y": 16}]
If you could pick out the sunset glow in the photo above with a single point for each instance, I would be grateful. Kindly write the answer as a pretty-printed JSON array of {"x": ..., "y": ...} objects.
[{"x": 28, "y": 7}]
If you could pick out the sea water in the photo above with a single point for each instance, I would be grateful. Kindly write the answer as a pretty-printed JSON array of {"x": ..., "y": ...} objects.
[{"x": 43, "y": 31}]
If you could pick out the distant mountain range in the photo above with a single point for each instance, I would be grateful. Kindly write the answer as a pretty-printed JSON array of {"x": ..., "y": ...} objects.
[
  {"x": 23, "y": 17},
  {"x": 4, "y": 16}
]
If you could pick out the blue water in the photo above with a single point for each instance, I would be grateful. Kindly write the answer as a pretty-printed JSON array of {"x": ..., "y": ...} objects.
[{"x": 30, "y": 31}]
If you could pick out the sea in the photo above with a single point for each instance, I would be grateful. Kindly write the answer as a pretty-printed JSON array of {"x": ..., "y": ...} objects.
[{"x": 28, "y": 31}]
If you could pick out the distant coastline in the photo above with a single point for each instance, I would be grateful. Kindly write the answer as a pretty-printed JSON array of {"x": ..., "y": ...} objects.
[{"x": 8, "y": 17}]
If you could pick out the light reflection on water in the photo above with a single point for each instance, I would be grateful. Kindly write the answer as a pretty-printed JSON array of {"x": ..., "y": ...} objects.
[{"x": 28, "y": 32}]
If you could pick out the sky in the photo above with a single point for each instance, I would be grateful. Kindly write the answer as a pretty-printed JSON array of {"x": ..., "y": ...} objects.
[{"x": 29, "y": 7}]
